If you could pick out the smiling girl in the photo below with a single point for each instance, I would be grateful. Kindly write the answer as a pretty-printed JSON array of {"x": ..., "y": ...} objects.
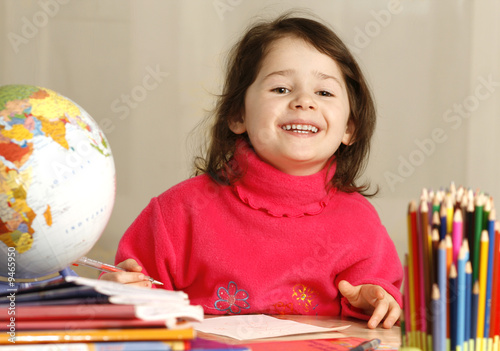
[{"x": 275, "y": 221}]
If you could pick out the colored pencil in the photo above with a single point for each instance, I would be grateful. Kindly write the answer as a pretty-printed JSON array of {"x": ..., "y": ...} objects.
[
  {"x": 468, "y": 302},
  {"x": 461, "y": 291},
  {"x": 489, "y": 278},
  {"x": 474, "y": 310},
  {"x": 418, "y": 272},
  {"x": 483, "y": 270},
  {"x": 424, "y": 280},
  {"x": 444, "y": 221},
  {"x": 435, "y": 245},
  {"x": 449, "y": 262},
  {"x": 442, "y": 278},
  {"x": 453, "y": 305},
  {"x": 470, "y": 225},
  {"x": 439, "y": 325},
  {"x": 452, "y": 270},
  {"x": 457, "y": 233},
  {"x": 449, "y": 213},
  {"x": 495, "y": 303},
  {"x": 436, "y": 205},
  {"x": 413, "y": 264},
  {"x": 436, "y": 221},
  {"x": 486, "y": 211},
  {"x": 478, "y": 229}
]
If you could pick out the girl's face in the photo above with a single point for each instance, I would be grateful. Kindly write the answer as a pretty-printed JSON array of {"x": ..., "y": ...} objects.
[{"x": 297, "y": 109}]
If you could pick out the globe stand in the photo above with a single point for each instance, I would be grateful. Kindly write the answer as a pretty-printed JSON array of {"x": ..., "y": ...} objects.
[{"x": 8, "y": 287}]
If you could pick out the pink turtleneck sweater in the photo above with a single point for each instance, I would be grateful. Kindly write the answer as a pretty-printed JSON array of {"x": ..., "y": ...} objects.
[{"x": 273, "y": 243}]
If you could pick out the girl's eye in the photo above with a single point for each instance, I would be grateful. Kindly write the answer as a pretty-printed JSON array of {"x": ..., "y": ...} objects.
[
  {"x": 281, "y": 90},
  {"x": 324, "y": 93}
]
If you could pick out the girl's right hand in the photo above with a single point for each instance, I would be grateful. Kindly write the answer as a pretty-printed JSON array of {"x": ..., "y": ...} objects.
[{"x": 133, "y": 276}]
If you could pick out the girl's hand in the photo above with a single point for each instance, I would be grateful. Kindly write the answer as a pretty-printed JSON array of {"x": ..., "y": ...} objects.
[
  {"x": 374, "y": 300},
  {"x": 132, "y": 276}
]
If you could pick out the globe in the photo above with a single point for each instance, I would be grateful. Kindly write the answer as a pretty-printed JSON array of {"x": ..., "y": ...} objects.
[{"x": 57, "y": 182}]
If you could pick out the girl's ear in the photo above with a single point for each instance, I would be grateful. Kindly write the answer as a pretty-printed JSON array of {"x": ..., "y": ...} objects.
[
  {"x": 237, "y": 125},
  {"x": 349, "y": 131}
]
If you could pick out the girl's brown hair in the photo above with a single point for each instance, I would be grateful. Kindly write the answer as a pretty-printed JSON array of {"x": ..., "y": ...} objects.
[{"x": 243, "y": 65}]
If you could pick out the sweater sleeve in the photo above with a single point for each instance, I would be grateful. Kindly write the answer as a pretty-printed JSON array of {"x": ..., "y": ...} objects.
[
  {"x": 373, "y": 259},
  {"x": 147, "y": 241}
]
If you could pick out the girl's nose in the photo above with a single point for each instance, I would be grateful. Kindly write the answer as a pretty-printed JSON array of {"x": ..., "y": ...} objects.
[{"x": 303, "y": 101}]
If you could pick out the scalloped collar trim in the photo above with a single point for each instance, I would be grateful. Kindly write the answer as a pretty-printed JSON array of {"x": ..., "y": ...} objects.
[{"x": 267, "y": 189}]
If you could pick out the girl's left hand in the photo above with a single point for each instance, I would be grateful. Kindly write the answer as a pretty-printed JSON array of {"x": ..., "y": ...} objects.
[{"x": 374, "y": 300}]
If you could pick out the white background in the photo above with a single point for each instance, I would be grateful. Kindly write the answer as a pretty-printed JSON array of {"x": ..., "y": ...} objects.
[{"x": 426, "y": 61}]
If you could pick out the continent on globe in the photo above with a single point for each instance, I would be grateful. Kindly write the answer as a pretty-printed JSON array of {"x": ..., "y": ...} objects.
[{"x": 57, "y": 180}]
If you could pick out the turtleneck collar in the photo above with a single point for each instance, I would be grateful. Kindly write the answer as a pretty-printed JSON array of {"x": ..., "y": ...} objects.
[{"x": 265, "y": 188}]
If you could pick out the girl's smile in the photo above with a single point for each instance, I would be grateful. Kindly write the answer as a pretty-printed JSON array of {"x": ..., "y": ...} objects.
[
  {"x": 297, "y": 109},
  {"x": 299, "y": 127}
]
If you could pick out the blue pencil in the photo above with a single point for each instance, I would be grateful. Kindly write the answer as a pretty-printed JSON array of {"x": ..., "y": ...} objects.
[
  {"x": 442, "y": 282},
  {"x": 443, "y": 230},
  {"x": 474, "y": 310},
  {"x": 489, "y": 279},
  {"x": 453, "y": 305},
  {"x": 461, "y": 291},
  {"x": 439, "y": 324},
  {"x": 468, "y": 301}
]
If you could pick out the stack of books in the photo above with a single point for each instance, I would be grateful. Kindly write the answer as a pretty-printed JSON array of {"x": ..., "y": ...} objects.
[
  {"x": 95, "y": 315},
  {"x": 452, "y": 272}
]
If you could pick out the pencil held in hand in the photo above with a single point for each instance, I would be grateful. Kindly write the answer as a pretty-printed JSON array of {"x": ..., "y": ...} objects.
[{"x": 105, "y": 267}]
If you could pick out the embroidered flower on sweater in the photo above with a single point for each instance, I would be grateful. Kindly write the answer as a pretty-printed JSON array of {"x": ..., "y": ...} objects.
[
  {"x": 231, "y": 299},
  {"x": 305, "y": 297},
  {"x": 283, "y": 308}
]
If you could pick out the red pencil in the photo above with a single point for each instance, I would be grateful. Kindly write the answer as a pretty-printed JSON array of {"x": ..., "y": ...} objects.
[
  {"x": 495, "y": 294},
  {"x": 449, "y": 262},
  {"x": 413, "y": 306},
  {"x": 424, "y": 254}
]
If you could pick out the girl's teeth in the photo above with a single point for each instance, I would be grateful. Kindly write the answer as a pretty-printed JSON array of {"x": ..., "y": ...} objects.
[{"x": 300, "y": 128}]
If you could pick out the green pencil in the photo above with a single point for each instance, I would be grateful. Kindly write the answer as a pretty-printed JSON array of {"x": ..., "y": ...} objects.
[{"x": 478, "y": 228}]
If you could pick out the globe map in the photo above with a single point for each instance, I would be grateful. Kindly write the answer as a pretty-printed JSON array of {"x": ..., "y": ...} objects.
[{"x": 57, "y": 181}]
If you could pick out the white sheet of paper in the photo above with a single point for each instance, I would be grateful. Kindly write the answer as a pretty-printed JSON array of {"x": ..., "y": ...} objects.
[{"x": 247, "y": 327}]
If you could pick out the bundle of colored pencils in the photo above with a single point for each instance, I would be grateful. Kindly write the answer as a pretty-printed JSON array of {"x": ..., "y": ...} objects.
[{"x": 452, "y": 272}]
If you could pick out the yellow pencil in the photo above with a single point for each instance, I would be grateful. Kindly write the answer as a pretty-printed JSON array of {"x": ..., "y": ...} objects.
[
  {"x": 449, "y": 213},
  {"x": 483, "y": 270}
]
